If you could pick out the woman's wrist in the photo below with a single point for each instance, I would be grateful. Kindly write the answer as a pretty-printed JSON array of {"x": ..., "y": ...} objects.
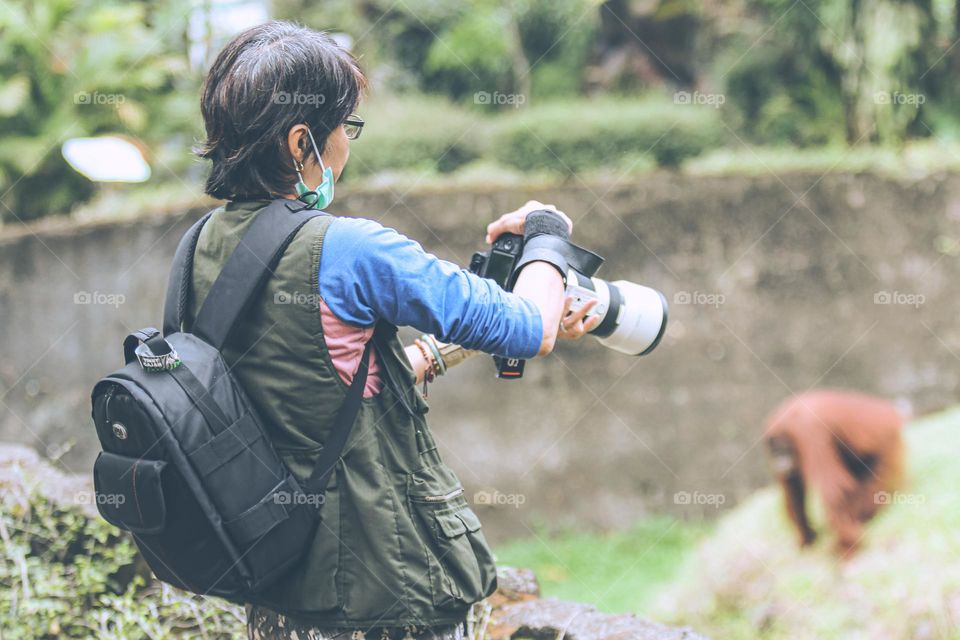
[{"x": 438, "y": 357}]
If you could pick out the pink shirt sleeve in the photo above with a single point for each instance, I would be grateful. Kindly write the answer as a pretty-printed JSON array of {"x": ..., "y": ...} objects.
[{"x": 345, "y": 344}]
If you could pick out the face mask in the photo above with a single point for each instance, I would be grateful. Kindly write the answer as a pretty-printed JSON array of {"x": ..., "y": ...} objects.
[{"x": 322, "y": 196}]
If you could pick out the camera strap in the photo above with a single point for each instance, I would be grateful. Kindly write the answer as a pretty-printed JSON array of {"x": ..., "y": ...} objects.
[{"x": 561, "y": 253}]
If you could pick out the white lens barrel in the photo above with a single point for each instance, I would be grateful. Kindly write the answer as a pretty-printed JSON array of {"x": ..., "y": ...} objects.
[{"x": 641, "y": 318}]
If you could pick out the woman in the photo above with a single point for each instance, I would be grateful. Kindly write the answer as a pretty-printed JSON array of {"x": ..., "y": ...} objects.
[{"x": 398, "y": 552}]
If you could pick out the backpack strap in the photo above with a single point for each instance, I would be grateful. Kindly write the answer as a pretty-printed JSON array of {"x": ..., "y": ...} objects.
[
  {"x": 248, "y": 268},
  {"x": 181, "y": 274},
  {"x": 337, "y": 440}
]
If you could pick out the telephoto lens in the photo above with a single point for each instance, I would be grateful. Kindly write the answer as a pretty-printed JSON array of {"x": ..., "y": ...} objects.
[{"x": 633, "y": 317}]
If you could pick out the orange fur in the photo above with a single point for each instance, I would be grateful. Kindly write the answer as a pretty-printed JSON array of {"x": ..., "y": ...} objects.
[{"x": 847, "y": 447}]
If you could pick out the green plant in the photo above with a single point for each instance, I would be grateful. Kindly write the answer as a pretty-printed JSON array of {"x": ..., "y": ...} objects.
[{"x": 64, "y": 574}]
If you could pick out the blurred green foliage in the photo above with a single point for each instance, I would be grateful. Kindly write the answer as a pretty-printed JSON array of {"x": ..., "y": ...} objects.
[
  {"x": 72, "y": 68},
  {"x": 560, "y": 137},
  {"x": 561, "y": 86},
  {"x": 863, "y": 71},
  {"x": 576, "y": 135},
  {"x": 415, "y": 133},
  {"x": 531, "y": 47}
]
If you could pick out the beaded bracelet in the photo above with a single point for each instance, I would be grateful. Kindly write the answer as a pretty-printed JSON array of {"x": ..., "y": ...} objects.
[
  {"x": 432, "y": 343},
  {"x": 430, "y": 372}
]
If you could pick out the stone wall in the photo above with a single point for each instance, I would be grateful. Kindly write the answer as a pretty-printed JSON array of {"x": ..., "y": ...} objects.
[{"x": 776, "y": 285}]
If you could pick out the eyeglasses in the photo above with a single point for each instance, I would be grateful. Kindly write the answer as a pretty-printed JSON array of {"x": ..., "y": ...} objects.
[{"x": 352, "y": 126}]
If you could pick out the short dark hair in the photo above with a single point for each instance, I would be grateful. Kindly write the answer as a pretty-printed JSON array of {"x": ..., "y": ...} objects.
[{"x": 266, "y": 80}]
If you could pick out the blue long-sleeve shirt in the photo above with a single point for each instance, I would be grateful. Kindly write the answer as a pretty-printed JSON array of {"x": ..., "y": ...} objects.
[{"x": 369, "y": 271}]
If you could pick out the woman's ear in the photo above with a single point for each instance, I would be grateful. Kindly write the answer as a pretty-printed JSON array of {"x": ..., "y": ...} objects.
[{"x": 297, "y": 142}]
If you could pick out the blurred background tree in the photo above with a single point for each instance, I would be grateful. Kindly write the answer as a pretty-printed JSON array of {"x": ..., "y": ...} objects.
[
  {"x": 857, "y": 70},
  {"x": 537, "y": 47}
]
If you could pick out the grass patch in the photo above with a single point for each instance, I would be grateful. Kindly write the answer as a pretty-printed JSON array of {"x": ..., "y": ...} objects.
[
  {"x": 617, "y": 572},
  {"x": 418, "y": 142}
]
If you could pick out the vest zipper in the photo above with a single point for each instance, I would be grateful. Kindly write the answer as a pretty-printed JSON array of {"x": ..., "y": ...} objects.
[{"x": 444, "y": 498}]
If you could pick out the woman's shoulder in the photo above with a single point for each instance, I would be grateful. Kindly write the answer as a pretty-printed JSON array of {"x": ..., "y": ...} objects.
[
  {"x": 357, "y": 225},
  {"x": 364, "y": 236}
]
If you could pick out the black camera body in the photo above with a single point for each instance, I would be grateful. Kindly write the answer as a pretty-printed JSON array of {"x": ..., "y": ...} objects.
[{"x": 498, "y": 264}]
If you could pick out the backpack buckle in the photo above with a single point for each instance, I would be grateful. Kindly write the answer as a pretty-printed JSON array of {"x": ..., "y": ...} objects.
[
  {"x": 153, "y": 362},
  {"x": 151, "y": 350}
]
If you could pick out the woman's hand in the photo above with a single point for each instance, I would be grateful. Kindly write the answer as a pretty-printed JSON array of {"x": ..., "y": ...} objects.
[
  {"x": 513, "y": 222},
  {"x": 572, "y": 326}
]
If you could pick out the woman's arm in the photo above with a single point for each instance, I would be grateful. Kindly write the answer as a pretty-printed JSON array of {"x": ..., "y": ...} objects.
[{"x": 369, "y": 272}]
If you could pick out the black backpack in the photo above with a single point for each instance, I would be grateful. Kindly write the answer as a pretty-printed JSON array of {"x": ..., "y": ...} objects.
[{"x": 187, "y": 467}]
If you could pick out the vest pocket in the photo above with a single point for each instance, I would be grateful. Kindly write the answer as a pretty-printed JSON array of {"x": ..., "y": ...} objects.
[{"x": 461, "y": 566}]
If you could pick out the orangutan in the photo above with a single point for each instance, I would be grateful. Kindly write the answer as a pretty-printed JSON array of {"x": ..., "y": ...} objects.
[{"x": 844, "y": 445}]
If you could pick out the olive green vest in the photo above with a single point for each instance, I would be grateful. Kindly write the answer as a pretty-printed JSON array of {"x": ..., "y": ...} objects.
[{"x": 397, "y": 542}]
